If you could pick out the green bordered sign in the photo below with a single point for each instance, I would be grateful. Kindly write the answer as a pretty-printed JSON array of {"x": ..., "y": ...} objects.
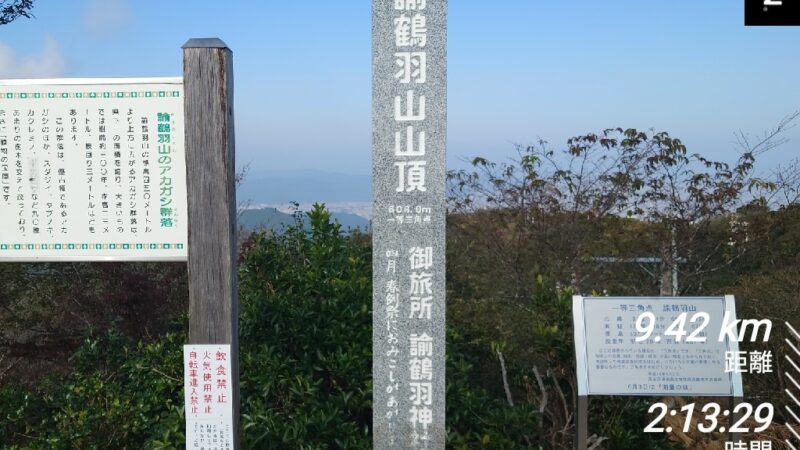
[{"x": 92, "y": 170}]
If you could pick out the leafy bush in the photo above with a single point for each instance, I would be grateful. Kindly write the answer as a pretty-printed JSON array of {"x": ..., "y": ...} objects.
[
  {"x": 306, "y": 337},
  {"x": 306, "y": 363},
  {"x": 120, "y": 395}
]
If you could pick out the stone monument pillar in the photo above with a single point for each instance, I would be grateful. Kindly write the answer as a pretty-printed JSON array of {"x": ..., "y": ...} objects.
[{"x": 409, "y": 87}]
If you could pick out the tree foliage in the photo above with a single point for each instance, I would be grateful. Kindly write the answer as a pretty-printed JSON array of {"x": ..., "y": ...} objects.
[
  {"x": 522, "y": 227},
  {"x": 306, "y": 357},
  {"x": 620, "y": 193},
  {"x": 522, "y": 237},
  {"x": 11, "y": 10},
  {"x": 45, "y": 309}
]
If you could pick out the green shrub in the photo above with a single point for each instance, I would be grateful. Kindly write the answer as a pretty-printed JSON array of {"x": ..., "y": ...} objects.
[
  {"x": 121, "y": 395},
  {"x": 306, "y": 362}
]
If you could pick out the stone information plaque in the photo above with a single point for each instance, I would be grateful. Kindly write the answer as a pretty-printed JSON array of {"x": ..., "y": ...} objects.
[
  {"x": 92, "y": 169},
  {"x": 208, "y": 396},
  {"x": 409, "y": 135}
]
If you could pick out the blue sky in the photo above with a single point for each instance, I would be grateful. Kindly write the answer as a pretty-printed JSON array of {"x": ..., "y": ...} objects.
[{"x": 518, "y": 70}]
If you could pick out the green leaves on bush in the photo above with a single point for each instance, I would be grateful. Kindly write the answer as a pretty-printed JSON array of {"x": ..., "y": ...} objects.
[{"x": 306, "y": 362}]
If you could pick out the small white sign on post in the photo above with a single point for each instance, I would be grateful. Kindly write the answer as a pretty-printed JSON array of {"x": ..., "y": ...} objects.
[
  {"x": 92, "y": 169},
  {"x": 650, "y": 346},
  {"x": 630, "y": 346},
  {"x": 208, "y": 397}
]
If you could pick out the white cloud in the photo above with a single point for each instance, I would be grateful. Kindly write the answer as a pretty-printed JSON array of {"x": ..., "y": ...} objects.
[
  {"x": 104, "y": 17},
  {"x": 47, "y": 64}
]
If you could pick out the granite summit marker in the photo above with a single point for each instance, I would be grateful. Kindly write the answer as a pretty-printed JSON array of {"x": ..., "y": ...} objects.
[{"x": 409, "y": 44}]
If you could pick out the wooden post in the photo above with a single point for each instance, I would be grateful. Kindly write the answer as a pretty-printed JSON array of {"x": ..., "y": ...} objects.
[
  {"x": 734, "y": 417},
  {"x": 210, "y": 170},
  {"x": 582, "y": 423}
]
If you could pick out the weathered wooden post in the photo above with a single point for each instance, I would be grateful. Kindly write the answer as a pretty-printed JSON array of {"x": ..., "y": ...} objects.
[
  {"x": 210, "y": 169},
  {"x": 409, "y": 135}
]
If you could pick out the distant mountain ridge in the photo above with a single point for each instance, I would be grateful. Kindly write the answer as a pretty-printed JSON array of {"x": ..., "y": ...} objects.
[{"x": 272, "y": 219}]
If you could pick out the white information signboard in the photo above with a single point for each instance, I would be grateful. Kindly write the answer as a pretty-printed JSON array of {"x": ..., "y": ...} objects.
[
  {"x": 611, "y": 361},
  {"x": 208, "y": 397},
  {"x": 92, "y": 169}
]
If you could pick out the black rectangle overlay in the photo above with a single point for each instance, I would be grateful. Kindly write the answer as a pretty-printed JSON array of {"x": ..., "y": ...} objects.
[{"x": 772, "y": 12}]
